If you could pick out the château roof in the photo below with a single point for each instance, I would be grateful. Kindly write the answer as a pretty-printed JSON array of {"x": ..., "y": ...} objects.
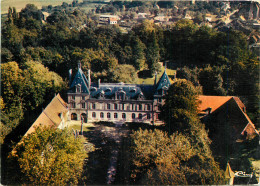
[
  {"x": 80, "y": 79},
  {"x": 164, "y": 82}
]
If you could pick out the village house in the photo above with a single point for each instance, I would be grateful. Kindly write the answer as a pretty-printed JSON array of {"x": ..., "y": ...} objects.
[
  {"x": 226, "y": 112},
  {"x": 116, "y": 102}
]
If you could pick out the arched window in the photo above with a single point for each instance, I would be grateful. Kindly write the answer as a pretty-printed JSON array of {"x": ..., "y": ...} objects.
[
  {"x": 115, "y": 115},
  {"x": 101, "y": 115},
  {"x": 140, "y": 116},
  {"x": 133, "y": 116},
  {"x": 74, "y": 116},
  {"x": 108, "y": 115},
  {"x": 123, "y": 115},
  {"x": 93, "y": 115},
  {"x": 78, "y": 88}
]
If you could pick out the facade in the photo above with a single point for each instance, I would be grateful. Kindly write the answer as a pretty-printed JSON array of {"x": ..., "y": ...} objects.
[{"x": 116, "y": 102}]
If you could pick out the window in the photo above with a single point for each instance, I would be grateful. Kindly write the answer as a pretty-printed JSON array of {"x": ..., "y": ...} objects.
[
  {"x": 133, "y": 106},
  {"x": 73, "y": 97},
  {"x": 115, "y": 115},
  {"x": 148, "y": 107},
  {"x": 160, "y": 100},
  {"x": 123, "y": 116},
  {"x": 115, "y": 106},
  {"x": 123, "y": 106},
  {"x": 93, "y": 115},
  {"x": 133, "y": 116},
  {"x": 74, "y": 116},
  {"x": 101, "y": 115},
  {"x": 108, "y": 106},
  {"x": 73, "y": 105},
  {"x": 108, "y": 115},
  {"x": 148, "y": 116},
  {"x": 83, "y": 105},
  {"x": 78, "y": 88},
  {"x": 93, "y": 106},
  {"x": 140, "y": 107},
  {"x": 140, "y": 116},
  {"x": 83, "y": 97}
]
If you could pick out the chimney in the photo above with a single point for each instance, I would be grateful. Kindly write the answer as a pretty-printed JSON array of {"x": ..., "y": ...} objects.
[
  {"x": 209, "y": 110},
  {"x": 89, "y": 79},
  {"x": 155, "y": 78},
  {"x": 98, "y": 83}
]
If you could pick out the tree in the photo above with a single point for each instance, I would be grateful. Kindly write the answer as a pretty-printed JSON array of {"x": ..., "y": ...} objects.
[
  {"x": 124, "y": 73},
  {"x": 180, "y": 106},
  {"x": 160, "y": 159},
  {"x": 138, "y": 54},
  {"x": 51, "y": 156},
  {"x": 211, "y": 80}
]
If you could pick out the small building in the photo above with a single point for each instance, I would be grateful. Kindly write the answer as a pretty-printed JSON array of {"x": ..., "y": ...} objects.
[
  {"x": 112, "y": 21},
  {"x": 226, "y": 113}
]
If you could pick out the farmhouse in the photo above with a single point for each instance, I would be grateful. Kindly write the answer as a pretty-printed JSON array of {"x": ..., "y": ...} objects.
[
  {"x": 226, "y": 113},
  {"x": 116, "y": 102}
]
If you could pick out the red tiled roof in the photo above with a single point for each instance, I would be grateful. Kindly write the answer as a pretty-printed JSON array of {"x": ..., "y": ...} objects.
[{"x": 214, "y": 102}]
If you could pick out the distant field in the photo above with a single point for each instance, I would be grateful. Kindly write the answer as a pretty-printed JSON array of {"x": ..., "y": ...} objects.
[{"x": 19, "y": 4}]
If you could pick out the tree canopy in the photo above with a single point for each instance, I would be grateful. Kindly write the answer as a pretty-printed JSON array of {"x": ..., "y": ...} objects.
[{"x": 51, "y": 156}]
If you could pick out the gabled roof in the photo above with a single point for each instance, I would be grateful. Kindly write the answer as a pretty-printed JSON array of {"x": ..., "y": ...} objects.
[
  {"x": 164, "y": 82},
  {"x": 50, "y": 116},
  {"x": 80, "y": 79},
  {"x": 213, "y": 102},
  {"x": 232, "y": 109}
]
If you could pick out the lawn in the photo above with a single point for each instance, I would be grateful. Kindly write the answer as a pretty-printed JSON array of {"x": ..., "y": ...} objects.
[
  {"x": 76, "y": 125},
  {"x": 150, "y": 81}
]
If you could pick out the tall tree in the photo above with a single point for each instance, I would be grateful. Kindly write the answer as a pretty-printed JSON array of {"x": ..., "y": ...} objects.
[{"x": 51, "y": 156}]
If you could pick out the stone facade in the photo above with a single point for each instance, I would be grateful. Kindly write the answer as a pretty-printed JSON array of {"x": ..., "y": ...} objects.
[{"x": 116, "y": 102}]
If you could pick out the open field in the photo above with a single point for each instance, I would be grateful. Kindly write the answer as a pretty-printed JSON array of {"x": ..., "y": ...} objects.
[
  {"x": 19, "y": 4},
  {"x": 76, "y": 125}
]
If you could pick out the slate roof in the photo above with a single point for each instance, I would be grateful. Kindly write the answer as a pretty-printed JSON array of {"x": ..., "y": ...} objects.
[
  {"x": 164, "y": 82},
  {"x": 132, "y": 91},
  {"x": 109, "y": 90},
  {"x": 80, "y": 79}
]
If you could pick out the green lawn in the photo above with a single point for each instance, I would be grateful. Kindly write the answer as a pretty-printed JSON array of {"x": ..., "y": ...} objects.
[
  {"x": 150, "y": 81},
  {"x": 76, "y": 125}
]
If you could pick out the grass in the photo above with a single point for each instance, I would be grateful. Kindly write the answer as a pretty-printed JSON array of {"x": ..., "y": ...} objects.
[
  {"x": 150, "y": 81},
  {"x": 76, "y": 125}
]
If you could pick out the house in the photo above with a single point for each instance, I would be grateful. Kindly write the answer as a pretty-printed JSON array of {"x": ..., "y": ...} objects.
[
  {"x": 112, "y": 20},
  {"x": 55, "y": 114},
  {"x": 116, "y": 102},
  {"x": 226, "y": 113}
]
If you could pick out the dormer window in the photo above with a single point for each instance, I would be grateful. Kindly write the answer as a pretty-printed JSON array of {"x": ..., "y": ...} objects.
[
  {"x": 133, "y": 90},
  {"x": 108, "y": 90},
  {"x": 78, "y": 88},
  {"x": 93, "y": 89}
]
